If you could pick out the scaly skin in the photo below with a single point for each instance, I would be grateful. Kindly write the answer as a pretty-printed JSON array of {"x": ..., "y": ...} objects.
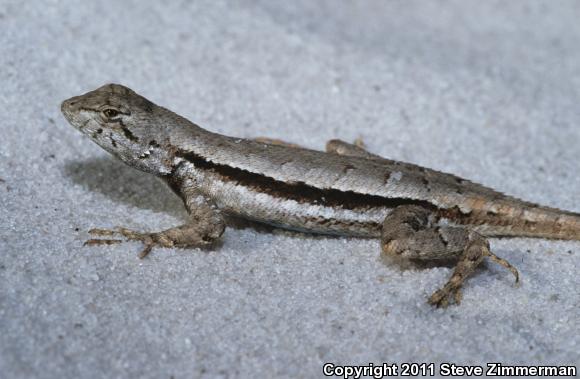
[{"x": 417, "y": 212}]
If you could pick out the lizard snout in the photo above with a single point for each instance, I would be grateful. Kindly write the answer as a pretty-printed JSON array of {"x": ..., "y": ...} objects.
[
  {"x": 69, "y": 107},
  {"x": 71, "y": 104}
]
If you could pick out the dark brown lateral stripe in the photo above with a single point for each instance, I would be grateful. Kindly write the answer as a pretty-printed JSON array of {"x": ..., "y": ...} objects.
[{"x": 298, "y": 191}]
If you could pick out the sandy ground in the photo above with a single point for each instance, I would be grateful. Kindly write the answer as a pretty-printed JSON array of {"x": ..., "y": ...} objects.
[{"x": 486, "y": 90}]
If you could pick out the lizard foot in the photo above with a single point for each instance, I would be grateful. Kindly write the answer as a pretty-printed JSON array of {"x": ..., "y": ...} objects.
[
  {"x": 410, "y": 232},
  {"x": 476, "y": 250},
  {"x": 441, "y": 297},
  {"x": 149, "y": 239}
]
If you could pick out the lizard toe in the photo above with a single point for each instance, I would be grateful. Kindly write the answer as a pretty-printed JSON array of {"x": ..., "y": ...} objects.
[{"x": 442, "y": 297}]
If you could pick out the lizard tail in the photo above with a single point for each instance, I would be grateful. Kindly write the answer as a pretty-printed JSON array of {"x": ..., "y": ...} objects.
[
  {"x": 545, "y": 222},
  {"x": 522, "y": 219}
]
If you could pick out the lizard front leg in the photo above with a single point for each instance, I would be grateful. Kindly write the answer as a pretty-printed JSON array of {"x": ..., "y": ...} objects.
[
  {"x": 204, "y": 225},
  {"x": 411, "y": 232}
]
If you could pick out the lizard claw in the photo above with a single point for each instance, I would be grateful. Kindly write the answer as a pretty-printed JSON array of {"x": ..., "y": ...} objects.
[
  {"x": 441, "y": 297},
  {"x": 102, "y": 232},
  {"x": 101, "y": 241},
  {"x": 149, "y": 239},
  {"x": 96, "y": 242}
]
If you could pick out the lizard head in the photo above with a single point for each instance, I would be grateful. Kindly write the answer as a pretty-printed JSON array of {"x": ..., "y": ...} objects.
[{"x": 125, "y": 124}]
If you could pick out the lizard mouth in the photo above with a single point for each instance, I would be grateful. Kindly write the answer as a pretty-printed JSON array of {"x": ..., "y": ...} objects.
[
  {"x": 73, "y": 113},
  {"x": 66, "y": 107}
]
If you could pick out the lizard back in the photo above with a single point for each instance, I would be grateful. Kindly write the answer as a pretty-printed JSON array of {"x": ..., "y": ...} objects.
[{"x": 455, "y": 199}]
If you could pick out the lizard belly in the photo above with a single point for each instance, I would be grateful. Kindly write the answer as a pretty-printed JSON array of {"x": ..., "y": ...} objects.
[{"x": 300, "y": 213}]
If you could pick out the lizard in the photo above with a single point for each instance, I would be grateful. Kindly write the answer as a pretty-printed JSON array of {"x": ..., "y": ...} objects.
[{"x": 417, "y": 213}]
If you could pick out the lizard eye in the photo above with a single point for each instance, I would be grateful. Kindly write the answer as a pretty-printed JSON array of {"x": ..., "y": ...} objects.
[{"x": 110, "y": 113}]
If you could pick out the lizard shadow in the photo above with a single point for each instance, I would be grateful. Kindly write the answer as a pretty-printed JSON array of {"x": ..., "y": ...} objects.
[{"x": 124, "y": 184}]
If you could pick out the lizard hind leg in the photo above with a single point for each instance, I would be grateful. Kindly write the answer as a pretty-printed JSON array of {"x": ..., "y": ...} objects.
[{"x": 410, "y": 232}]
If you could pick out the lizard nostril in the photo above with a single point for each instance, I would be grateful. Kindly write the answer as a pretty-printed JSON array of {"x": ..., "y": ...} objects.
[{"x": 67, "y": 105}]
